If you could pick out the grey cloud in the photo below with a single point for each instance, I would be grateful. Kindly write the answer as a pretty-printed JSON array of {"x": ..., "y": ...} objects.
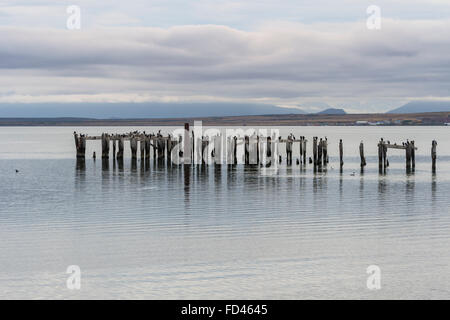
[{"x": 284, "y": 64}]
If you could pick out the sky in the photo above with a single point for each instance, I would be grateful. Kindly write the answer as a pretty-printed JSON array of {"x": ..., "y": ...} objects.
[{"x": 295, "y": 54}]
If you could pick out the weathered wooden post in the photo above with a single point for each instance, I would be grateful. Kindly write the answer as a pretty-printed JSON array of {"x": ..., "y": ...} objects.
[
  {"x": 269, "y": 147},
  {"x": 169, "y": 148},
  {"x": 231, "y": 150},
  {"x": 80, "y": 145},
  {"x": 246, "y": 150},
  {"x": 289, "y": 150},
  {"x": 257, "y": 149},
  {"x": 341, "y": 153},
  {"x": 153, "y": 144},
  {"x": 315, "y": 151},
  {"x": 114, "y": 146},
  {"x": 187, "y": 145},
  {"x": 161, "y": 148},
  {"x": 121, "y": 147},
  {"x": 133, "y": 146},
  {"x": 301, "y": 148},
  {"x": 433, "y": 154},
  {"x": 325, "y": 151},
  {"x": 413, "y": 154},
  {"x": 361, "y": 153},
  {"x": 320, "y": 152},
  {"x": 142, "y": 146},
  {"x": 105, "y": 146},
  {"x": 408, "y": 155},
  {"x": 204, "y": 145},
  {"x": 385, "y": 159},
  {"x": 234, "y": 150},
  {"x": 304, "y": 150},
  {"x": 180, "y": 152},
  {"x": 380, "y": 153},
  {"x": 147, "y": 147}
]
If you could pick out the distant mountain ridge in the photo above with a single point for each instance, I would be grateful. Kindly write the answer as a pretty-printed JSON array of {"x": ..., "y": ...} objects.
[
  {"x": 138, "y": 110},
  {"x": 333, "y": 111},
  {"x": 423, "y": 106}
]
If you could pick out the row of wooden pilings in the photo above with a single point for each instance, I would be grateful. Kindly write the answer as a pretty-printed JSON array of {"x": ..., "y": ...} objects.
[
  {"x": 163, "y": 147},
  {"x": 145, "y": 141}
]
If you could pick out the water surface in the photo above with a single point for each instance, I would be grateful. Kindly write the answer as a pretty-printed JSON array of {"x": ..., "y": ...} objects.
[{"x": 233, "y": 232}]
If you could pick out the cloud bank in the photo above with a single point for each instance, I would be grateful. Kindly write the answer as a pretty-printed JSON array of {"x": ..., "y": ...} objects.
[{"x": 281, "y": 63}]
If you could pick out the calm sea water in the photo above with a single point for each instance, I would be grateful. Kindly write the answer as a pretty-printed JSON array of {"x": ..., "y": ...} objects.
[{"x": 163, "y": 232}]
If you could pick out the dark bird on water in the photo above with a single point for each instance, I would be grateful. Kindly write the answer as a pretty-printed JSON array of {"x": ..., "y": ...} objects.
[{"x": 17, "y": 171}]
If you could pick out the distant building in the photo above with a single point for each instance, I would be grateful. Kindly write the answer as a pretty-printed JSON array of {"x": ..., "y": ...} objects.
[{"x": 362, "y": 123}]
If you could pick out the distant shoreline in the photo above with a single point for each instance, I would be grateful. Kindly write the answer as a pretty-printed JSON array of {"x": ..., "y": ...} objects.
[{"x": 372, "y": 119}]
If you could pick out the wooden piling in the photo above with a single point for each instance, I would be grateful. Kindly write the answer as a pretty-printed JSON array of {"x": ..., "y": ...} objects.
[
  {"x": 234, "y": 150},
  {"x": 385, "y": 159},
  {"x": 320, "y": 152},
  {"x": 289, "y": 150},
  {"x": 315, "y": 151},
  {"x": 205, "y": 143},
  {"x": 361, "y": 153},
  {"x": 408, "y": 155},
  {"x": 187, "y": 145},
  {"x": 325, "y": 151},
  {"x": 413, "y": 154},
  {"x": 304, "y": 150},
  {"x": 80, "y": 145},
  {"x": 170, "y": 146},
  {"x": 301, "y": 148},
  {"x": 147, "y": 147},
  {"x": 114, "y": 148},
  {"x": 341, "y": 153},
  {"x": 121, "y": 147},
  {"x": 161, "y": 148},
  {"x": 246, "y": 150},
  {"x": 269, "y": 148},
  {"x": 105, "y": 146},
  {"x": 142, "y": 148},
  {"x": 257, "y": 149},
  {"x": 380, "y": 153},
  {"x": 133, "y": 147},
  {"x": 433, "y": 155}
]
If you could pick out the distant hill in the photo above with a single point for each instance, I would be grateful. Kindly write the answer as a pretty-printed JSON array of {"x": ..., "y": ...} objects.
[
  {"x": 138, "y": 110},
  {"x": 312, "y": 107},
  {"x": 332, "y": 111},
  {"x": 423, "y": 106}
]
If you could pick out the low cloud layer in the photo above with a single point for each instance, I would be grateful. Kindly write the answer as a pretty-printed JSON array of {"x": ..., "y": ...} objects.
[{"x": 287, "y": 64}]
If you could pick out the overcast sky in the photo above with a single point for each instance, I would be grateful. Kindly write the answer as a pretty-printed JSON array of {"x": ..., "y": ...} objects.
[{"x": 284, "y": 52}]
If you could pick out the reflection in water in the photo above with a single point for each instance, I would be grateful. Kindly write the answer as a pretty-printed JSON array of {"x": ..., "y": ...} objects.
[
  {"x": 105, "y": 164},
  {"x": 80, "y": 165},
  {"x": 80, "y": 174},
  {"x": 410, "y": 190},
  {"x": 433, "y": 188},
  {"x": 218, "y": 176},
  {"x": 120, "y": 164},
  {"x": 186, "y": 223},
  {"x": 187, "y": 182}
]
